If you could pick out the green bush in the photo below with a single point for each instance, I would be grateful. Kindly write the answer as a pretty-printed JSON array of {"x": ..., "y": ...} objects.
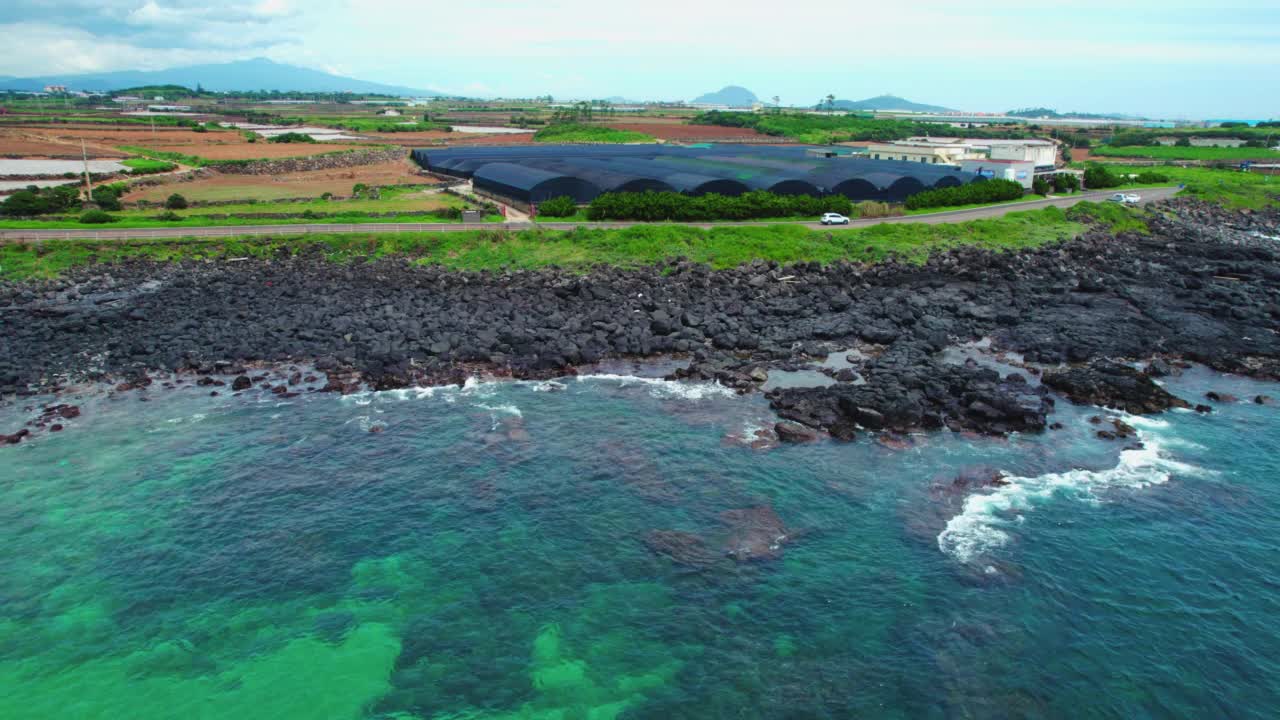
[
  {"x": 176, "y": 202},
  {"x": 1097, "y": 177},
  {"x": 40, "y": 201},
  {"x": 562, "y": 206},
  {"x": 97, "y": 217},
  {"x": 1148, "y": 177},
  {"x": 291, "y": 137},
  {"x": 658, "y": 206},
  {"x": 107, "y": 197},
  {"x": 1065, "y": 183},
  {"x": 976, "y": 192},
  {"x": 169, "y": 216},
  {"x": 1040, "y": 186}
]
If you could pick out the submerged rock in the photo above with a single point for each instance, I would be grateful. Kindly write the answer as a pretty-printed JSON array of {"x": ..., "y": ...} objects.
[{"x": 755, "y": 533}]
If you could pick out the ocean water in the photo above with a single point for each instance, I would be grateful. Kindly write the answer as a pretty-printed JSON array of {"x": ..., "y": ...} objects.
[{"x": 479, "y": 553}]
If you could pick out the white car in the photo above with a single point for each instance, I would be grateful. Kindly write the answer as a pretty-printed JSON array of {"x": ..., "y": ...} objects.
[
  {"x": 834, "y": 219},
  {"x": 1125, "y": 198}
]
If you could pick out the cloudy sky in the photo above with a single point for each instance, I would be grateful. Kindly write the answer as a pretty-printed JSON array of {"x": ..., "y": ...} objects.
[{"x": 1165, "y": 57}]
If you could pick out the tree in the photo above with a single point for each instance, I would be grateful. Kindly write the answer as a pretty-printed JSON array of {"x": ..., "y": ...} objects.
[
  {"x": 175, "y": 202},
  {"x": 1066, "y": 153},
  {"x": 1183, "y": 142},
  {"x": 831, "y": 101},
  {"x": 1040, "y": 186}
]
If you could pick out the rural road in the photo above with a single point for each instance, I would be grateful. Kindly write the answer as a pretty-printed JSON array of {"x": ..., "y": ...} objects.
[{"x": 950, "y": 216}]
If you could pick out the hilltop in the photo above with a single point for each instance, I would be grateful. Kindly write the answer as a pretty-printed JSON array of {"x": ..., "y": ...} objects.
[{"x": 241, "y": 75}]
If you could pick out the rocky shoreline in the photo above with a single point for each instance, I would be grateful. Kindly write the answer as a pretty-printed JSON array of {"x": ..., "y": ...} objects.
[{"x": 1204, "y": 286}]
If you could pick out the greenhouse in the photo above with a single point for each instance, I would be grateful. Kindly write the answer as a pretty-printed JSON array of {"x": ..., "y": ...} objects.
[{"x": 533, "y": 174}]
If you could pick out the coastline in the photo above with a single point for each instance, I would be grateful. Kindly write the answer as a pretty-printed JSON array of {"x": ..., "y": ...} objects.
[{"x": 1200, "y": 287}]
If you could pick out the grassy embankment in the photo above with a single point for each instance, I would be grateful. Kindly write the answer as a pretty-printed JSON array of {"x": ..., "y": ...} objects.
[
  {"x": 577, "y": 249},
  {"x": 394, "y": 200},
  {"x": 580, "y": 133},
  {"x": 1229, "y": 188},
  {"x": 1172, "y": 152}
]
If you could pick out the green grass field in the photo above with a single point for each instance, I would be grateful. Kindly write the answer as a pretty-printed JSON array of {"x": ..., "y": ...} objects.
[
  {"x": 398, "y": 201},
  {"x": 577, "y": 249},
  {"x": 579, "y": 133},
  {"x": 1161, "y": 152},
  {"x": 1231, "y": 188},
  {"x": 147, "y": 166}
]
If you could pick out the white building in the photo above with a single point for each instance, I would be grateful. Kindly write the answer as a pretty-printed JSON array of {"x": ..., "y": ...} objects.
[
  {"x": 923, "y": 150},
  {"x": 1019, "y": 171}
]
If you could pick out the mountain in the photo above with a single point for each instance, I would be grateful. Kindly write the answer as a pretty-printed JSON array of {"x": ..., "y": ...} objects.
[
  {"x": 731, "y": 95},
  {"x": 887, "y": 102},
  {"x": 255, "y": 74}
]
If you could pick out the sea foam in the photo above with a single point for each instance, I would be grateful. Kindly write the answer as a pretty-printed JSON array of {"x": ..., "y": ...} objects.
[
  {"x": 978, "y": 529},
  {"x": 660, "y": 388}
]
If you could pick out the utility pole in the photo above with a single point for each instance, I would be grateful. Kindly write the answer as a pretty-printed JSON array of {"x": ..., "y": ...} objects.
[{"x": 84, "y": 154}]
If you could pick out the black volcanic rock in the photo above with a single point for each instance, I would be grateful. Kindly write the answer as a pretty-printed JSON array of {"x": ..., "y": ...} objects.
[{"x": 1113, "y": 385}]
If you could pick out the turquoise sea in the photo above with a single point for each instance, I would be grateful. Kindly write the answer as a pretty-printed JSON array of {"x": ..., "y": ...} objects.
[{"x": 480, "y": 552}]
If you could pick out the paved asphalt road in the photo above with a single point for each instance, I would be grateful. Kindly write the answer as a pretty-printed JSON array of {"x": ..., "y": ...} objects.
[{"x": 951, "y": 216}]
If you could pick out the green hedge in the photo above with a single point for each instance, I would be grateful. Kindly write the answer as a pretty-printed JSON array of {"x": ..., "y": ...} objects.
[
  {"x": 978, "y": 192},
  {"x": 40, "y": 201},
  {"x": 657, "y": 206},
  {"x": 562, "y": 206}
]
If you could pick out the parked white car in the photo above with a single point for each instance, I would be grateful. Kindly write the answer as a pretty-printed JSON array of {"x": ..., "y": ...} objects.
[
  {"x": 1125, "y": 198},
  {"x": 834, "y": 219}
]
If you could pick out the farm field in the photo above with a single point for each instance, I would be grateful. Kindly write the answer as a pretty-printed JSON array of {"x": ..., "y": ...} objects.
[
  {"x": 397, "y": 205},
  {"x": 675, "y": 130},
  {"x": 251, "y": 151},
  {"x": 1186, "y": 153},
  {"x": 291, "y": 185},
  {"x": 17, "y": 143}
]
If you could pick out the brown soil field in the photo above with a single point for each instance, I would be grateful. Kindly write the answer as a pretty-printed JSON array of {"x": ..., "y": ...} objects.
[
  {"x": 293, "y": 185},
  {"x": 251, "y": 151},
  {"x": 680, "y": 131},
  {"x": 16, "y": 144}
]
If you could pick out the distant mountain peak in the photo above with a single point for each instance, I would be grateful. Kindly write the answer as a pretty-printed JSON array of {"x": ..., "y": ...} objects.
[
  {"x": 731, "y": 95},
  {"x": 887, "y": 102},
  {"x": 257, "y": 73}
]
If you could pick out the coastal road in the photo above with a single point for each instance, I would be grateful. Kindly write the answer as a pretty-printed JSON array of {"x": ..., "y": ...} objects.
[{"x": 948, "y": 216}]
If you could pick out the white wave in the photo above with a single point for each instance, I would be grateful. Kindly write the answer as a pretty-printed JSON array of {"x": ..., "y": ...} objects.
[
  {"x": 661, "y": 388},
  {"x": 501, "y": 409},
  {"x": 977, "y": 530}
]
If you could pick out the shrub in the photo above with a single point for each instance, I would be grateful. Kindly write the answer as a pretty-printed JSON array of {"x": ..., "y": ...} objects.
[
  {"x": 97, "y": 217},
  {"x": 1040, "y": 186},
  {"x": 1148, "y": 177},
  {"x": 655, "y": 206},
  {"x": 562, "y": 206},
  {"x": 200, "y": 129},
  {"x": 1183, "y": 142},
  {"x": 176, "y": 202},
  {"x": 357, "y": 189},
  {"x": 1097, "y": 177},
  {"x": 327, "y": 196},
  {"x": 876, "y": 209},
  {"x": 169, "y": 216},
  {"x": 975, "y": 192},
  {"x": 108, "y": 196},
  {"x": 1065, "y": 182},
  {"x": 291, "y": 137},
  {"x": 40, "y": 201}
]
